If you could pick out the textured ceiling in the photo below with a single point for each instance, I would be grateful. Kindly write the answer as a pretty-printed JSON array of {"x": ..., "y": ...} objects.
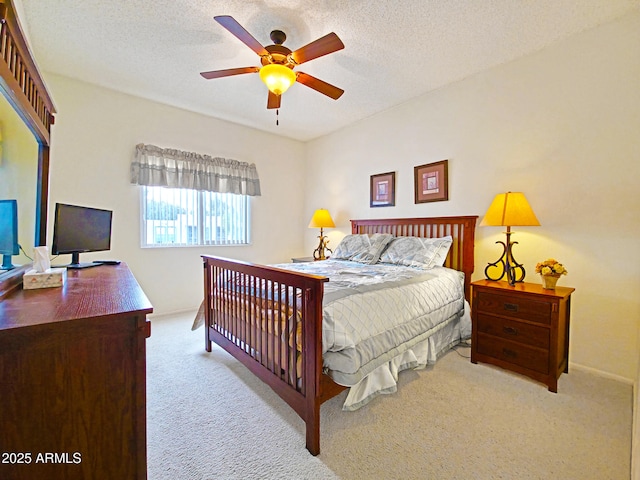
[{"x": 394, "y": 50}]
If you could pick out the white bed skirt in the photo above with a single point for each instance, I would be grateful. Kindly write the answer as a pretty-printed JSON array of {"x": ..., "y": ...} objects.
[{"x": 384, "y": 379}]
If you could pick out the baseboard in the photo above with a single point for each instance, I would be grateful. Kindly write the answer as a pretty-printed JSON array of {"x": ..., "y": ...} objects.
[
  {"x": 156, "y": 316},
  {"x": 601, "y": 373}
]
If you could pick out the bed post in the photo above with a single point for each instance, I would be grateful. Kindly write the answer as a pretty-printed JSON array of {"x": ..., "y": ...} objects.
[
  {"x": 468, "y": 261},
  {"x": 207, "y": 309},
  {"x": 313, "y": 368}
]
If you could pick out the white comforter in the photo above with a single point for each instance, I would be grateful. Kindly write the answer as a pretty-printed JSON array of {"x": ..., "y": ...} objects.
[{"x": 375, "y": 313}]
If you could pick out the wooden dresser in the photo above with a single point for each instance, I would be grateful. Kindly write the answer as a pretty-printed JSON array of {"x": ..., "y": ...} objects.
[
  {"x": 73, "y": 378},
  {"x": 523, "y": 328}
]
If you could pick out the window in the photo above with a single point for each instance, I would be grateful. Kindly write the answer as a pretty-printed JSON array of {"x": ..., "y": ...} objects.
[
  {"x": 190, "y": 198},
  {"x": 179, "y": 217}
]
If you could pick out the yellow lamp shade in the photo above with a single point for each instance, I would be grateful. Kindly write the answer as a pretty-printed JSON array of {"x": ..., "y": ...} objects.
[
  {"x": 321, "y": 219},
  {"x": 277, "y": 78},
  {"x": 508, "y": 210}
]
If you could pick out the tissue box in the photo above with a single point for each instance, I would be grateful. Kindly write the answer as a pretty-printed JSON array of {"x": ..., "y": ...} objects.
[{"x": 52, "y": 277}]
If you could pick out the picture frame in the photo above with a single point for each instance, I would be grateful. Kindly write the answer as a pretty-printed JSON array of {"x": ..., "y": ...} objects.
[
  {"x": 431, "y": 182},
  {"x": 383, "y": 190}
]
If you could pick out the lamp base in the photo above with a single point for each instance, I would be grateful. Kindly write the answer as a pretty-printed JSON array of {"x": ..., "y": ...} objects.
[
  {"x": 507, "y": 265},
  {"x": 318, "y": 253}
]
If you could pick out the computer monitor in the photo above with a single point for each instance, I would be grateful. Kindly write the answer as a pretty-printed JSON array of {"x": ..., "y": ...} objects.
[
  {"x": 79, "y": 229},
  {"x": 8, "y": 232}
]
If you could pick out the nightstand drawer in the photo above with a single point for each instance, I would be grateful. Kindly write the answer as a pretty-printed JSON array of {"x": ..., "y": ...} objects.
[
  {"x": 515, "y": 331},
  {"x": 515, "y": 307},
  {"x": 515, "y": 353}
]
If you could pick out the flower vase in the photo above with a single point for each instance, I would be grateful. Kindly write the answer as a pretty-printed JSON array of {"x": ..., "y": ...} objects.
[{"x": 549, "y": 281}]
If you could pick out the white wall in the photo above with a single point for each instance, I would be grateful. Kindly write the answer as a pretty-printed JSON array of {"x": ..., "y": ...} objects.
[
  {"x": 93, "y": 143},
  {"x": 563, "y": 127}
]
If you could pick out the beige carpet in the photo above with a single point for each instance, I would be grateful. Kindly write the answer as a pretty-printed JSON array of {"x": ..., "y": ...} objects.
[{"x": 209, "y": 418}]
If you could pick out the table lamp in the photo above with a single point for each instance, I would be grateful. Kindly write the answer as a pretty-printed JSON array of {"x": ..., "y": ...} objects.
[
  {"x": 321, "y": 219},
  {"x": 508, "y": 210}
]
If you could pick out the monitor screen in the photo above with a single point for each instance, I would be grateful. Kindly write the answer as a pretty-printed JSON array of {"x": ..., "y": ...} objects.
[
  {"x": 8, "y": 232},
  {"x": 80, "y": 229}
]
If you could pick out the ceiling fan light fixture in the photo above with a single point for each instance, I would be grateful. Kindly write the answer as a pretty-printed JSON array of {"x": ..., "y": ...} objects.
[{"x": 277, "y": 78}]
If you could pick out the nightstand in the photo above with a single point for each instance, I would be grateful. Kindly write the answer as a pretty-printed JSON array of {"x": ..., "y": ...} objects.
[
  {"x": 524, "y": 328},
  {"x": 302, "y": 259}
]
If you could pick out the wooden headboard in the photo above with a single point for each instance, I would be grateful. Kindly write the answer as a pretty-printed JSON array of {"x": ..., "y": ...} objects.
[{"x": 461, "y": 229}]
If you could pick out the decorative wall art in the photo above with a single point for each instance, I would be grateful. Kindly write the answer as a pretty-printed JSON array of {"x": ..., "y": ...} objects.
[
  {"x": 383, "y": 190},
  {"x": 431, "y": 182}
]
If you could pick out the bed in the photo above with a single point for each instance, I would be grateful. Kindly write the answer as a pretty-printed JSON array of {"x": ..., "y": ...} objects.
[{"x": 280, "y": 321}]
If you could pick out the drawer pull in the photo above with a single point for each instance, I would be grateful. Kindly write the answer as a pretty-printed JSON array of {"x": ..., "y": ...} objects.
[
  {"x": 512, "y": 307},
  {"x": 509, "y": 353},
  {"x": 510, "y": 330}
]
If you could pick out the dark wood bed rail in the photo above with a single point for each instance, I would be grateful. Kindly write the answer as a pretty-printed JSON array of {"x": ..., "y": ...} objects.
[{"x": 461, "y": 229}]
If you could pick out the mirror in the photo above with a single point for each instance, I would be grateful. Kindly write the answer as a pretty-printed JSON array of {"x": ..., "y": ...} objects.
[
  {"x": 19, "y": 176},
  {"x": 26, "y": 116}
]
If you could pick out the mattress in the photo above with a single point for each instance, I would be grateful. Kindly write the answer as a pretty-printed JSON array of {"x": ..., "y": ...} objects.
[{"x": 374, "y": 313}]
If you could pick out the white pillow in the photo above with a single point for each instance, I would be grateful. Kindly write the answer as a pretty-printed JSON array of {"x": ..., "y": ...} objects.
[
  {"x": 417, "y": 252},
  {"x": 362, "y": 248}
]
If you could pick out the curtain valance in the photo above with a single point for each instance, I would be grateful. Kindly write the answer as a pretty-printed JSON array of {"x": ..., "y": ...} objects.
[{"x": 164, "y": 167}]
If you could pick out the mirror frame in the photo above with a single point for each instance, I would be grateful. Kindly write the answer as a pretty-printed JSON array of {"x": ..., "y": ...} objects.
[{"x": 22, "y": 85}]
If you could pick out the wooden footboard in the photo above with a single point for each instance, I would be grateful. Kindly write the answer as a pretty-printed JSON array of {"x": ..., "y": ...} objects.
[{"x": 271, "y": 320}]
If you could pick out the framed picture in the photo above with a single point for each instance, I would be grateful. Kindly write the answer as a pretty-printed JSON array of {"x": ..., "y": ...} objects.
[
  {"x": 383, "y": 190},
  {"x": 431, "y": 182}
]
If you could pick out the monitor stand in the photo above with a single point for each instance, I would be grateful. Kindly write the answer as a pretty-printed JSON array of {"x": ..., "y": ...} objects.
[
  {"x": 6, "y": 263},
  {"x": 80, "y": 265},
  {"x": 75, "y": 262}
]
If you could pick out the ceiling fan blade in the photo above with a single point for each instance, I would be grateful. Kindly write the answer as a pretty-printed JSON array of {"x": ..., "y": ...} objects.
[
  {"x": 273, "y": 101},
  {"x": 322, "y": 46},
  {"x": 319, "y": 86},
  {"x": 229, "y": 72},
  {"x": 238, "y": 30}
]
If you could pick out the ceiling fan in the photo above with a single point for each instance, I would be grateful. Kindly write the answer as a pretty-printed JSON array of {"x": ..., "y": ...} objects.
[{"x": 278, "y": 61}]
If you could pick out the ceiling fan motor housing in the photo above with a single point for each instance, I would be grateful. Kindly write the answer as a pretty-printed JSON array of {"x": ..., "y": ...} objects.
[{"x": 277, "y": 54}]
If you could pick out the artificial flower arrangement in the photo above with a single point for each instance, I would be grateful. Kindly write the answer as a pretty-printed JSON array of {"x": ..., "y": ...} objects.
[{"x": 551, "y": 267}]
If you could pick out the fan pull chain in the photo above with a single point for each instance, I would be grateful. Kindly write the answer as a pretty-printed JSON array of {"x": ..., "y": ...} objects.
[{"x": 277, "y": 111}]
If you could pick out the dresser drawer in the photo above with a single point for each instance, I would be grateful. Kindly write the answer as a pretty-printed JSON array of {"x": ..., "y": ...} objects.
[
  {"x": 513, "y": 306},
  {"x": 515, "y": 353},
  {"x": 513, "y": 330}
]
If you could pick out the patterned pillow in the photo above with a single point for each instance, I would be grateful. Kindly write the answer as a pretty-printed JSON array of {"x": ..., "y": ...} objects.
[
  {"x": 417, "y": 252},
  {"x": 362, "y": 248}
]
